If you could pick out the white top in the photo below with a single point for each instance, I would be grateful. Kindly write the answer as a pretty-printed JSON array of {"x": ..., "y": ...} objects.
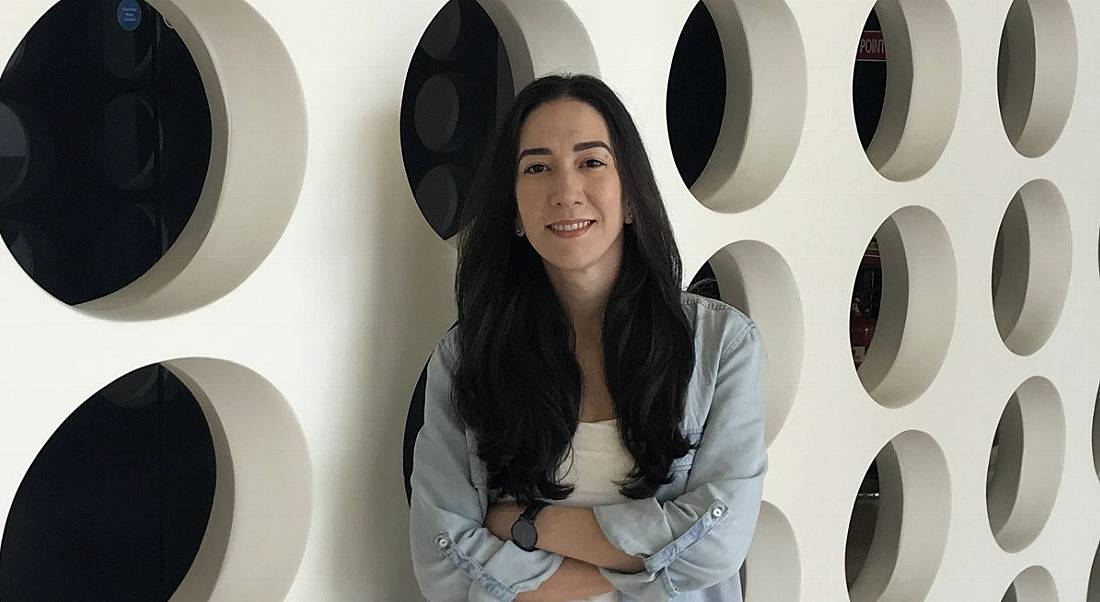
[{"x": 598, "y": 460}]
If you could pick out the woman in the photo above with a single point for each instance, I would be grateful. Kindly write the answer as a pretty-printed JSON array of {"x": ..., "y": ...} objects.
[{"x": 590, "y": 431}]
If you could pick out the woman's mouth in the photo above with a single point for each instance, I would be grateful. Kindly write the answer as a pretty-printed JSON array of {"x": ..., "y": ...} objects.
[{"x": 572, "y": 229}]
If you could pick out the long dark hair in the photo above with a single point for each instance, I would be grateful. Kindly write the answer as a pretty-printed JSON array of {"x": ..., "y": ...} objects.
[{"x": 517, "y": 384}]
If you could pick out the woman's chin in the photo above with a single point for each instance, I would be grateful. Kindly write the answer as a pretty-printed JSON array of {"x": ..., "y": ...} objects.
[
  {"x": 571, "y": 265},
  {"x": 559, "y": 265}
]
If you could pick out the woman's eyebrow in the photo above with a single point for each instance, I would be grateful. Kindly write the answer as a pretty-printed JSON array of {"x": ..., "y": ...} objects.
[
  {"x": 590, "y": 144},
  {"x": 576, "y": 148}
]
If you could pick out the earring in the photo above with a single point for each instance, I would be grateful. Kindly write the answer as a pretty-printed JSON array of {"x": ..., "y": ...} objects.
[
  {"x": 519, "y": 232},
  {"x": 630, "y": 218}
]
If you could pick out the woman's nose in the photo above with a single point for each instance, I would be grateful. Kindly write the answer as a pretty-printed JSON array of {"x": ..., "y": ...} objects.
[{"x": 568, "y": 189}]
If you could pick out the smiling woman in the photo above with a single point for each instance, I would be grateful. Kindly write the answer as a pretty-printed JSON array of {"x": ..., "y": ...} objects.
[
  {"x": 568, "y": 194},
  {"x": 591, "y": 431}
]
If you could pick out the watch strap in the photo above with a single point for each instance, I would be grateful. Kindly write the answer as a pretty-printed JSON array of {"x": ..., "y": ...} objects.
[{"x": 532, "y": 510}]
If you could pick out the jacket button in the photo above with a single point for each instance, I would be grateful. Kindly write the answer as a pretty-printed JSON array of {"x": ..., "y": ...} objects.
[
  {"x": 442, "y": 542},
  {"x": 717, "y": 512}
]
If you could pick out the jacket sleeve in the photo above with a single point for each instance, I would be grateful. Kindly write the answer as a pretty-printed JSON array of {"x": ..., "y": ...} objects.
[
  {"x": 454, "y": 556},
  {"x": 701, "y": 538}
]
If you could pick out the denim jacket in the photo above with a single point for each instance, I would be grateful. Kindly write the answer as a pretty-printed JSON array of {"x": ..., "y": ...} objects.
[{"x": 692, "y": 535}]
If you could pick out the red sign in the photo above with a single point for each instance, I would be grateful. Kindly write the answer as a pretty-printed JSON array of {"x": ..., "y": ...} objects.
[{"x": 872, "y": 47}]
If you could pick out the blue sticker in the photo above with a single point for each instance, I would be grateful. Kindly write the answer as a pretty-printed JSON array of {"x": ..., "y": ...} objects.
[{"x": 129, "y": 15}]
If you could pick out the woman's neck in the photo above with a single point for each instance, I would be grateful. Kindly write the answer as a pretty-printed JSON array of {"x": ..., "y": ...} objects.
[{"x": 584, "y": 295}]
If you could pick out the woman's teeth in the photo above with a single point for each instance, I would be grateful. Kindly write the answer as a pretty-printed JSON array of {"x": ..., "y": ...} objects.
[{"x": 569, "y": 227}]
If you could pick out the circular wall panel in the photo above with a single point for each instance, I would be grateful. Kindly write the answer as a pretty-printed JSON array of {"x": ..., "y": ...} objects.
[
  {"x": 916, "y": 312},
  {"x": 1037, "y": 73},
  {"x": 1031, "y": 267},
  {"x": 746, "y": 122},
  {"x": 131, "y": 100},
  {"x": 1026, "y": 464},
  {"x": 923, "y": 80},
  {"x": 897, "y": 534},
  {"x": 116, "y": 503},
  {"x": 147, "y": 93},
  {"x": 696, "y": 98}
]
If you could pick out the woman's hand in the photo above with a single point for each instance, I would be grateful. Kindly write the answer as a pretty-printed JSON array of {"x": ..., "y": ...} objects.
[{"x": 499, "y": 519}]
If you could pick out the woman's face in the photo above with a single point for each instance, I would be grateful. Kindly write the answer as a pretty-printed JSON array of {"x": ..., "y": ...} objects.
[{"x": 566, "y": 174}]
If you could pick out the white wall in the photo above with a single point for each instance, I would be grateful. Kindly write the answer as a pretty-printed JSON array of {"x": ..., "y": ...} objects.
[{"x": 309, "y": 290}]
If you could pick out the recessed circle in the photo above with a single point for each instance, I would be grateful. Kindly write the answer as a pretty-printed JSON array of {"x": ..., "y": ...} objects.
[
  {"x": 438, "y": 194},
  {"x": 1036, "y": 73},
  {"x": 14, "y": 152},
  {"x": 443, "y": 39},
  {"x": 27, "y": 156},
  {"x": 919, "y": 42},
  {"x": 116, "y": 504},
  {"x": 115, "y": 140},
  {"x": 754, "y": 277},
  {"x": 916, "y": 311},
  {"x": 1031, "y": 267},
  {"x": 736, "y": 101},
  {"x": 696, "y": 99},
  {"x": 772, "y": 569},
  {"x": 1034, "y": 584},
  {"x": 448, "y": 109},
  {"x": 438, "y": 112},
  {"x": 898, "y": 530},
  {"x": 1025, "y": 464},
  {"x": 125, "y": 142},
  {"x": 204, "y": 191}
]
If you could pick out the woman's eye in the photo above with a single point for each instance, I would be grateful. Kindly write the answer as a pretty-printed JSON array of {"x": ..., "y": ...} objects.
[
  {"x": 589, "y": 162},
  {"x": 531, "y": 168}
]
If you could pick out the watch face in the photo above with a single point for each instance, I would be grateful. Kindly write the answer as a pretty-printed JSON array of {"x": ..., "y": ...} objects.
[{"x": 523, "y": 534}]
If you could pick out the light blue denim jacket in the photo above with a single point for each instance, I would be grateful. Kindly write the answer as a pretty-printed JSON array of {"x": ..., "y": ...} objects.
[{"x": 693, "y": 534}]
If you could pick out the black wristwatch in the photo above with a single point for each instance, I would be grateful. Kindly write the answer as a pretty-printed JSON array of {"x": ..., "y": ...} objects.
[{"x": 524, "y": 534}]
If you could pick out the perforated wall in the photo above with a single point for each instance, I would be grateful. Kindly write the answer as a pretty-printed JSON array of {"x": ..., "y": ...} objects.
[{"x": 305, "y": 292}]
